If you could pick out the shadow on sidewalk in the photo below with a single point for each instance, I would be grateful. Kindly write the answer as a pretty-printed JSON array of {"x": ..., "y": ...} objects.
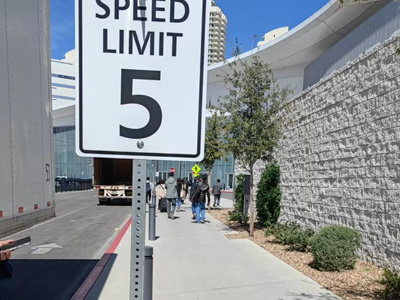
[
  {"x": 320, "y": 296},
  {"x": 48, "y": 279}
]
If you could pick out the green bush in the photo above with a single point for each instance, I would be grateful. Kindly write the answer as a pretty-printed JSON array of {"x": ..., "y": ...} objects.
[
  {"x": 239, "y": 196},
  {"x": 292, "y": 235},
  {"x": 238, "y": 217},
  {"x": 237, "y": 214},
  {"x": 269, "y": 196},
  {"x": 391, "y": 281},
  {"x": 334, "y": 248}
]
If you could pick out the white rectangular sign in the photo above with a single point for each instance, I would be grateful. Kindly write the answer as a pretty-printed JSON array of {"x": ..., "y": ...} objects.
[{"x": 141, "y": 78}]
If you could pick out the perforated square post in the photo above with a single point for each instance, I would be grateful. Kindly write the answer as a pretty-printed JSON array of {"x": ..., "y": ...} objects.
[{"x": 138, "y": 230}]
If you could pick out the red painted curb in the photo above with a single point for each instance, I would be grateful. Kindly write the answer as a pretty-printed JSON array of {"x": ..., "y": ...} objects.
[
  {"x": 119, "y": 237},
  {"x": 89, "y": 282}
]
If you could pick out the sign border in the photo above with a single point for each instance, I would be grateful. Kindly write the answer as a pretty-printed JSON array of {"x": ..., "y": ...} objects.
[{"x": 141, "y": 154}]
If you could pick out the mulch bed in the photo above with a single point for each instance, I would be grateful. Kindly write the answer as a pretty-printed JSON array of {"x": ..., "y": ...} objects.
[{"x": 358, "y": 284}]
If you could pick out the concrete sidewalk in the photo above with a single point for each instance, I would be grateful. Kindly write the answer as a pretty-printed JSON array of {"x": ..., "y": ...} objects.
[{"x": 196, "y": 261}]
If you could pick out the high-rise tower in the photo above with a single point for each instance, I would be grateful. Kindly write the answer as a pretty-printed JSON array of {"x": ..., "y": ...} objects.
[{"x": 216, "y": 48}]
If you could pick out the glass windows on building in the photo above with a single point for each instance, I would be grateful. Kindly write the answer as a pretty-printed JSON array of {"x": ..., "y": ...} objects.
[
  {"x": 223, "y": 170},
  {"x": 66, "y": 162}
]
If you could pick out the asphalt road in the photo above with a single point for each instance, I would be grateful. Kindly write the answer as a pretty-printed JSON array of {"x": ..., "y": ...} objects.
[{"x": 65, "y": 249}]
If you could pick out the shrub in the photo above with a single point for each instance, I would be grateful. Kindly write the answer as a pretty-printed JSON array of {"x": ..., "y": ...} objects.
[
  {"x": 334, "y": 248},
  {"x": 269, "y": 196},
  {"x": 299, "y": 239},
  {"x": 237, "y": 214},
  {"x": 391, "y": 281},
  {"x": 238, "y": 217},
  {"x": 239, "y": 196},
  {"x": 292, "y": 235}
]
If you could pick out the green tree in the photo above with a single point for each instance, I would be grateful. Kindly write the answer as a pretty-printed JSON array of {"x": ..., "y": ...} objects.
[
  {"x": 215, "y": 148},
  {"x": 253, "y": 115}
]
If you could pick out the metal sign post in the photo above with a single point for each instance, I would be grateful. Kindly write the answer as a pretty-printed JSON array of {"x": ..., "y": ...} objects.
[
  {"x": 140, "y": 63},
  {"x": 138, "y": 230}
]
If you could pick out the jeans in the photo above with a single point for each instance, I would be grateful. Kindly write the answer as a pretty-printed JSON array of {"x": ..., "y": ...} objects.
[
  {"x": 193, "y": 208},
  {"x": 217, "y": 199},
  {"x": 170, "y": 212},
  {"x": 200, "y": 211},
  {"x": 178, "y": 202}
]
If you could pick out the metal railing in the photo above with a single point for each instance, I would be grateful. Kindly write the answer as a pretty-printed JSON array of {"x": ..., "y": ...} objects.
[{"x": 71, "y": 185}]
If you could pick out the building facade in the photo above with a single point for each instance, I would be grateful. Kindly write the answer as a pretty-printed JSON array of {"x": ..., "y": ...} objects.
[
  {"x": 217, "y": 35},
  {"x": 339, "y": 153},
  {"x": 271, "y": 35},
  {"x": 66, "y": 162}
]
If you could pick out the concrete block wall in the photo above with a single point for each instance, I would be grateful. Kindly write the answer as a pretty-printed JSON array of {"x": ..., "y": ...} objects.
[{"x": 340, "y": 155}]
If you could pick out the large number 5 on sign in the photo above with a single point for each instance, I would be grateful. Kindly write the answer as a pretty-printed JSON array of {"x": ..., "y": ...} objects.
[{"x": 149, "y": 103}]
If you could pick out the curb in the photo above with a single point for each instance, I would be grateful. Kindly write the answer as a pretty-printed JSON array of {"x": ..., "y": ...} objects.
[{"x": 90, "y": 281}]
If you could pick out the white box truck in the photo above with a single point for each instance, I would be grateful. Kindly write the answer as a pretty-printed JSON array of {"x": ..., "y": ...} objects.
[{"x": 26, "y": 167}]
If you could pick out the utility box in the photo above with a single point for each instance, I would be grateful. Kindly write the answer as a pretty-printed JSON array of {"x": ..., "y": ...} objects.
[
  {"x": 246, "y": 193},
  {"x": 26, "y": 164}
]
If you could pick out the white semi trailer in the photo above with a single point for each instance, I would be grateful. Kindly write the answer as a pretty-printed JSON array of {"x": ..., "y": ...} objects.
[{"x": 26, "y": 167}]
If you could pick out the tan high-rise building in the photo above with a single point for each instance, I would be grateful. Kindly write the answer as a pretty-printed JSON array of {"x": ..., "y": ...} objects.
[{"x": 216, "y": 47}]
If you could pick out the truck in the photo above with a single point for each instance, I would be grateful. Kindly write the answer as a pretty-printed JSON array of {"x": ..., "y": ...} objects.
[
  {"x": 112, "y": 178},
  {"x": 26, "y": 163}
]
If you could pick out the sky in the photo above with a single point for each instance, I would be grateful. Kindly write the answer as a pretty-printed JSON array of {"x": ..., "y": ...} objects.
[{"x": 246, "y": 18}]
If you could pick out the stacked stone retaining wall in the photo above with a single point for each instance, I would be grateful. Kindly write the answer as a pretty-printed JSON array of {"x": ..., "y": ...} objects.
[{"x": 340, "y": 155}]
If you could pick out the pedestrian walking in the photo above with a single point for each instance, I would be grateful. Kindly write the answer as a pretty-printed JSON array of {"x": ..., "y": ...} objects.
[
  {"x": 184, "y": 190},
  {"x": 178, "y": 191},
  {"x": 200, "y": 195},
  {"x": 217, "y": 188},
  {"x": 172, "y": 194},
  {"x": 149, "y": 189},
  {"x": 6, "y": 269},
  {"x": 193, "y": 187},
  {"x": 161, "y": 192}
]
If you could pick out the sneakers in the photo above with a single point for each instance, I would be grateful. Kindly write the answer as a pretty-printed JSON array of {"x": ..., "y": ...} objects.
[
  {"x": 194, "y": 217},
  {"x": 202, "y": 222}
]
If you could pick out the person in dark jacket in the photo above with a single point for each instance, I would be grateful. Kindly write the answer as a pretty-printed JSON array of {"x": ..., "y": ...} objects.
[
  {"x": 199, "y": 198},
  {"x": 178, "y": 190},
  {"x": 217, "y": 188},
  {"x": 6, "y": 269},
  {"x": 193, "y": 186}
]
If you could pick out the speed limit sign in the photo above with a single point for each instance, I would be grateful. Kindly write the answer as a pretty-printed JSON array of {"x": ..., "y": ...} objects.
[{"x": 141, "y": 78}]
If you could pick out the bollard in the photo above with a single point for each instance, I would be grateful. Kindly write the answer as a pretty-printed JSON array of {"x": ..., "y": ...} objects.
[
  {"x": 148, "y": 273},
  {"x": 152, "y": 219}
]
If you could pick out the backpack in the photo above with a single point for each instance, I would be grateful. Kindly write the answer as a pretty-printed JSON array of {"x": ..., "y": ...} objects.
[
  {"x": 148, "y": 187},
  {"x": 196, "y": 195}
]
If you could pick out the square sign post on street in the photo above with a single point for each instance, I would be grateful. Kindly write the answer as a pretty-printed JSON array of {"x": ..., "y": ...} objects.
[
  {"x": 142, "y": 78},
  {"x": 141, "y": 73}
]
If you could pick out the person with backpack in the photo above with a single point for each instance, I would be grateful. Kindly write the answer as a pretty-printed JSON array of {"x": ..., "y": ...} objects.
[
  {"x": 178, "y": 190},
  {"x": 217, "y": 188},
  {"x": 172, "y": 194},
  {"x": 200, "y": 195},
  {"x": 149, "y": 188},
  {"x": 193, "y": 187}
]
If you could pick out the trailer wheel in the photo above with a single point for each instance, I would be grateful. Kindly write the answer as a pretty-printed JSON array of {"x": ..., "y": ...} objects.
[{"x": 106, "y": 202}]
